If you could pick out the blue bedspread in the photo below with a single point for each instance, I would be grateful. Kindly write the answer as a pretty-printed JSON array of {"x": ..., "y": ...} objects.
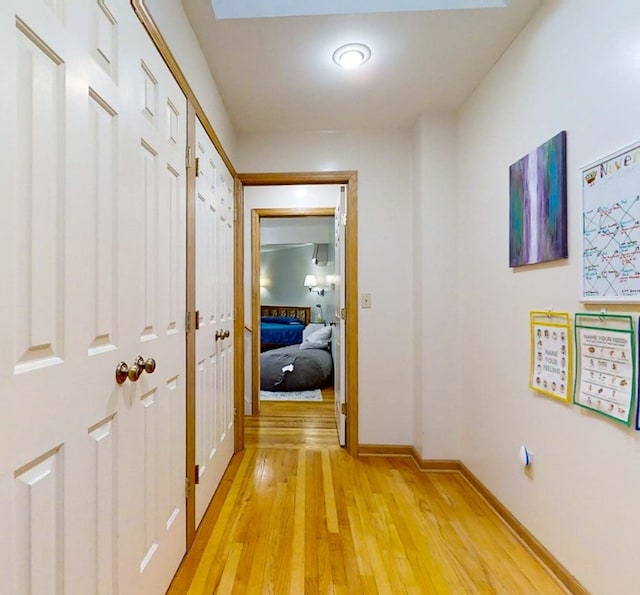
[{"x": 281, "y": 333}]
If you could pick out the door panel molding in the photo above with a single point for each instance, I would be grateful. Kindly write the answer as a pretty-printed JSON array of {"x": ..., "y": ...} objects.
[{"x": 142, "y": 12}]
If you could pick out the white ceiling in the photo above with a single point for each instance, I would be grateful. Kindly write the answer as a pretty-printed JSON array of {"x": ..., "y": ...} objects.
[
  {"x": 280, "y": 232},
  {"x": 276, "y": 74}
]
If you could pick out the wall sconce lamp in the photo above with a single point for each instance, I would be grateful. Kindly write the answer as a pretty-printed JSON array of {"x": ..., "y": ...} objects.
[{"x": 312, "y": 285}]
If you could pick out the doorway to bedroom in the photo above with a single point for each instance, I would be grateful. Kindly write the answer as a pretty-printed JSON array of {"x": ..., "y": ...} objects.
[
  {"x": 292, "y": 286},
  {"x": 293, "y": 386}
]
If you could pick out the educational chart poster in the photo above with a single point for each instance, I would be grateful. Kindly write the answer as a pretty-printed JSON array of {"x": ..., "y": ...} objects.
[
  {"x": 611, "y": 228},
  {"x": 606, "y": 365},
  {"x": 550, "y": 354}
]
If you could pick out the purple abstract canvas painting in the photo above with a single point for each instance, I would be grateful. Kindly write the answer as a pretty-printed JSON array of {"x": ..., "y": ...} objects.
[{"x": 538, "y": 204}]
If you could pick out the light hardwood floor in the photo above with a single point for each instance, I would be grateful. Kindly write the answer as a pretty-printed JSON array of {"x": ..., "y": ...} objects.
[{"x": 296, "y": 514}]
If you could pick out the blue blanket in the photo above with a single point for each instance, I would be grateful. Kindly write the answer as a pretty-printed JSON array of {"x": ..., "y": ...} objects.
[{"x": 281, "y": 333}]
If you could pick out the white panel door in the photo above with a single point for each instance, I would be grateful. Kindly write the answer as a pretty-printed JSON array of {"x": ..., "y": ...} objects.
[
  {"x": 152, "y": 302},
  {"x": 92, "y": 238},
  {"x": 339, "y": 329},
  {"x": 214, "y": 334}
]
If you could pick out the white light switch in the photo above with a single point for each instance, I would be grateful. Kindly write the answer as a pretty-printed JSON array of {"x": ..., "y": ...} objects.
[{"x": 365, "y": 300}]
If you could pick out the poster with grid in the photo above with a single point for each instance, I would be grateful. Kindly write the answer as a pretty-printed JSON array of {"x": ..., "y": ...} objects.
[{"x": 611, "y": 228}]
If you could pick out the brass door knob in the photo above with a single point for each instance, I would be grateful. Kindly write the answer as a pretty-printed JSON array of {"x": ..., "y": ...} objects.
[
  {"x": 148, "y": 366},
  {"x": 135, "y": 372},
  {"x": 122, "y": 372},
  {"x": 219, "y": 335},
  {"x": 227, "y": 334}
]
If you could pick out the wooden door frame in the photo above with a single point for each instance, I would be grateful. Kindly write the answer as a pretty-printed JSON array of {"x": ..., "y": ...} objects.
[
  {"x": 256, "y": 216},
  {"x": 349, "y": 179}
]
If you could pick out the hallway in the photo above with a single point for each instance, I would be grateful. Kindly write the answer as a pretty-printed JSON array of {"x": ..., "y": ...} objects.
[{"x": 296, "y": 514}]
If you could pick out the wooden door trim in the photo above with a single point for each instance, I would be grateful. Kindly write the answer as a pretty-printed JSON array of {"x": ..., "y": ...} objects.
[
  {"x": 256, "y": 216},
  {"x": 350, "y": 180},
  {"x": 190, "y": 338},
  {"x": 238, "y": 323}
]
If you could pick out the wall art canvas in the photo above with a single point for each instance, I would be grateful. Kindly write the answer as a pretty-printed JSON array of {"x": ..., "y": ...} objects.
[{"x": 538, "y": 204}]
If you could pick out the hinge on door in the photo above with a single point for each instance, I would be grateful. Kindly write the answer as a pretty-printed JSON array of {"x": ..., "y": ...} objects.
[
  {"x": 187, "y": 157},
  {"x": 235, "y": 412},
  {"x": 197, "y": 476},
  {"x": 343, "y": 408},
  {"x": 198, "y": 172},
  {"x": 343, "y": 313},
  {"x": 197, "y": 325},
  {"x": 187, "y": 488},
  {"x": 187, "y": 322}
]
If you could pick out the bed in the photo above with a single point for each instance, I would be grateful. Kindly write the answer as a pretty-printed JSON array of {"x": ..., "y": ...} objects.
[
  {"x": 304, "y": 366},
  {"x": 282, "y": 325}
]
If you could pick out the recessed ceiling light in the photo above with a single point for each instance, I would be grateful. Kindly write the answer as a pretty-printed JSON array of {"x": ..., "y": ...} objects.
[{"x": 351, "y": 55}]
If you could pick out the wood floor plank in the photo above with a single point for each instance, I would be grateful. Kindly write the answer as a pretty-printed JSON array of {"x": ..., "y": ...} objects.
[
  {"x": 297, "y": 570},
  {"x": 297, "y": 514},
  {"x": 329, "y": 494}
]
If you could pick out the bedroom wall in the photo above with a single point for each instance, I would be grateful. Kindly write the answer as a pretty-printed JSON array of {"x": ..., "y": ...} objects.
[
  {"x": 575, "y": 67},
  {"x": 283, "y": 272},
  {"x": 383, "y": 160}
]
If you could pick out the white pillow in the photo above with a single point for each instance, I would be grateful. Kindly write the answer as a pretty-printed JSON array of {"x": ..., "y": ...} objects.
[
  {"x": 322, "y": 334},
  {"x": 318, "y": 339},
  {"x": 310, "y": 328}
]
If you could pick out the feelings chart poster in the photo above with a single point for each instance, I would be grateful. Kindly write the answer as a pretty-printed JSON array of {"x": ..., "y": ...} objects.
[
  {"x": 551, "y": 354},
  {"x": 606, "y": 364}
]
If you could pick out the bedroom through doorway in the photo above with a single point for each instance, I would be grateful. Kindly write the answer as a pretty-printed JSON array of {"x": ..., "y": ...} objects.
[
  {"x": 295, "y": 305},
  {"x": 297, "y": 316}
]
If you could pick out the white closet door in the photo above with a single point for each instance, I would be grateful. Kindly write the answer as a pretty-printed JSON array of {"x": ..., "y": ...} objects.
[
  {"x": 92, "y": 239},
  {"x": 214, "y": 336},
  {"x": 153, "y": 243}
]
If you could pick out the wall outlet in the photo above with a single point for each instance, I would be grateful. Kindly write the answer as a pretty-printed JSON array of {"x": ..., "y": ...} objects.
[{"x": 365, "y": 300}]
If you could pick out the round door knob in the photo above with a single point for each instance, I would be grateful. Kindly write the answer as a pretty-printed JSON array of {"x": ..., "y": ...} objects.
[
  {"x": 226, "y": 334},
  {"x": 150, "y": 366},
  {"x": 135, "y": 372},
  {"x": 219, "y": 335},
  {"x": 122, "y": 372}
]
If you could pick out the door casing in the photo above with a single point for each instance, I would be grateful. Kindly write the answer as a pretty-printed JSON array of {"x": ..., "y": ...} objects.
[{"x": 350, "y": 180}]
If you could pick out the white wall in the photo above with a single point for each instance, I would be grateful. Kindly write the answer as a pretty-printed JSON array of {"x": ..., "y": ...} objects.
[
  {"x": 174, "y": 25},
  {"x": 576, "y": 67},
  {"x": 383, "y": 160},
  {"x": 437, "y": 301},
  {"x": 279, "y": 197}
]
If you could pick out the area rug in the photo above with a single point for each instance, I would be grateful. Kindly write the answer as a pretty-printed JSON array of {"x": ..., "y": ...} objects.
[{"x": 294, "y": 395}]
